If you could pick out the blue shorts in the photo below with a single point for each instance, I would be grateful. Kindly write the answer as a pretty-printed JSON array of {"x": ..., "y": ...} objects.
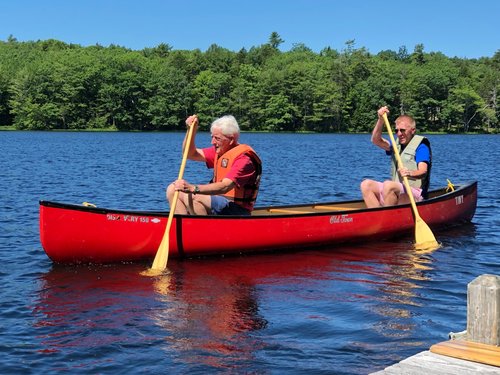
[{"x": 222, "y": 206}]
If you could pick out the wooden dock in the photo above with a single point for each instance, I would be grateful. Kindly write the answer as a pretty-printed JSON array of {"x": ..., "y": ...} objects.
[
  {"x": 428, "y": 363},
  {"x": 474, "y": 351}
]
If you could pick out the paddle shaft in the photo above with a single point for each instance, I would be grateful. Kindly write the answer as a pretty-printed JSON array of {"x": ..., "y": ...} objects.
[{"x": 161, "y": 258}]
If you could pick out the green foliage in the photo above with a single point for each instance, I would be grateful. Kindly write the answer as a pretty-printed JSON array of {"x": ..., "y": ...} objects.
[
  {"x": 211, "y": 94},
  {"x": 245, "y": 97},
  {"x": 167, "y": 98},
  {"x": 54, "y": 85}
]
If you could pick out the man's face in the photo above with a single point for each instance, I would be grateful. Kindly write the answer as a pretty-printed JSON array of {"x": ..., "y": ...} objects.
[
  {"x": 404, "y": 132},
  {"x": 221, "y": 142}
]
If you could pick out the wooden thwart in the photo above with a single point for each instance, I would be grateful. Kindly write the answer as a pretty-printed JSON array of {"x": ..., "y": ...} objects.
[
  {"x": 335, "y": 208},
  {"x": 470, "y": 351},
  {"x": 308, "y": 209},
  {"x": 288, "y": 211}
]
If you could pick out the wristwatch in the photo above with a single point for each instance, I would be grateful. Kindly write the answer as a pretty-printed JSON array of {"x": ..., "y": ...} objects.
[{"x": 196, "y": 189}]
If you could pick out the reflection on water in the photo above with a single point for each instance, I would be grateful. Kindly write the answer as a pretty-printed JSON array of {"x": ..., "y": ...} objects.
[
  {"x": 400, "y": 296},
  {"x": 88, "y": 307},
  {"x": 212, "y": 315},
  {"x": 215, "y": 312}
]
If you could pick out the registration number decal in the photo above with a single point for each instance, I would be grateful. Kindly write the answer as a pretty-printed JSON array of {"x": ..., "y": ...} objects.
[{"x": 131, "y": 218}]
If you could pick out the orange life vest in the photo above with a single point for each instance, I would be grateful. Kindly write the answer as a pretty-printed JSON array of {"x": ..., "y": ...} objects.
[{"x": 247, "y": 194}]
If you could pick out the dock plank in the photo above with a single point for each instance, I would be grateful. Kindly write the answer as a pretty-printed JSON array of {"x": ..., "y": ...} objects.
[
  {"x": 471, "y": 351},
  {"x": 429, "y": 363}
]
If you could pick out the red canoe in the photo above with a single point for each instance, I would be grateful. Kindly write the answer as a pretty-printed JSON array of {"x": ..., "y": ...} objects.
[{"x": 77, "y": 233}]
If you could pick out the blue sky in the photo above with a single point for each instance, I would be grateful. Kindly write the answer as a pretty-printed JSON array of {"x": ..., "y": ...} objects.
[{"x": 467, "y": 29}]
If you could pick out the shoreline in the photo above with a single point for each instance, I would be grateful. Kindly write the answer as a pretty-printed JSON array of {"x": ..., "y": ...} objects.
[{"x": 113, "y": 130}]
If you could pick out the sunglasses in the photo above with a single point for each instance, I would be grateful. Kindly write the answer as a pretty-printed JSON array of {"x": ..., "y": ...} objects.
[{"x": 401, "y": 130}]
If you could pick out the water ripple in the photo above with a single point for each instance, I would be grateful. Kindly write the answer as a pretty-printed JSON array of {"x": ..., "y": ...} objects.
[{"x": 343, "y": 310}]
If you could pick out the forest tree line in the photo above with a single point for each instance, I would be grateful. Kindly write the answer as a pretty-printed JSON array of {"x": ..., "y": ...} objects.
[{"x": 50, "y": 84}]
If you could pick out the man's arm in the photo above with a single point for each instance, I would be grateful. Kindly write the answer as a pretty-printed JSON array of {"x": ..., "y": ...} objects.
[
  {"x": 377, "y": 139},
  {"x": 194, "y": 153},
  {"x": 423, "y": 159},
  {"x": 212, "y": 188}
]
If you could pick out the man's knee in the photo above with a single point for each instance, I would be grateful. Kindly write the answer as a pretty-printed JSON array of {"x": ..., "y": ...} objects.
[
  {"x": 390, "y": 193},
  {"x": 366, "y": 185},
  {"x": 390, "y": 187},
  {"x": 170, "y": 191}
]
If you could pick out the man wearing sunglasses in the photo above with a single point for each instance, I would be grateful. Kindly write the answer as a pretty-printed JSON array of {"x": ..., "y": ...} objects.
[{"x": 415, "y": 152}]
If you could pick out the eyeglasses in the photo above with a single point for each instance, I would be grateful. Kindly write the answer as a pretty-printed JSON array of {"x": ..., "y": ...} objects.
[
  {"x": 401, "y": 130},
  {"x": 220, "y": 139}
]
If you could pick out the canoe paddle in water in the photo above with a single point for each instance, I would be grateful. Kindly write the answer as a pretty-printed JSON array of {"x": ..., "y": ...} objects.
[
  {"x": 424, "y": 238},
  {"x": 161, "y": 258}
]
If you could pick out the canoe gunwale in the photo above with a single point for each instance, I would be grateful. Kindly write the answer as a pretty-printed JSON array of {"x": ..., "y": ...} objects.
[{"x": 438, "y": 195}]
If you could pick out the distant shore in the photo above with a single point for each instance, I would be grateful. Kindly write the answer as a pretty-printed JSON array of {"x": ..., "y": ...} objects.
[{"x": 12, "y": 128}]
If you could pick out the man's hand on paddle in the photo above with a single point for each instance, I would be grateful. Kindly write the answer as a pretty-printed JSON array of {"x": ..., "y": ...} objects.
[
  {"x": 184, "y": 186},
  {"x": 192, "y": 120}
]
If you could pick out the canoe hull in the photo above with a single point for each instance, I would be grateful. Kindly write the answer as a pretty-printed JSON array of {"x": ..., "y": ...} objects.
[{"x": 76, "y": 234}]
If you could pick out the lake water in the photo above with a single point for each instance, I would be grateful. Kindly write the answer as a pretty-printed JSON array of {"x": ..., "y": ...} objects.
[{"x": 343, "y": 310}]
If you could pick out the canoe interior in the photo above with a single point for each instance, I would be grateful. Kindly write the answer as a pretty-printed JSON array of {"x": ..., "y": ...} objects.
[{"x": 324, "y": 207}]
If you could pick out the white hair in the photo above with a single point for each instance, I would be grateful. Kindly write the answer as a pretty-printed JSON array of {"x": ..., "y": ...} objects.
[{"x": 228, "y": 125}]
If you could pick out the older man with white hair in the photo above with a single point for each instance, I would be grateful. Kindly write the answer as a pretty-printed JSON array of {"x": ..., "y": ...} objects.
[{"x": 237, "y": 171}]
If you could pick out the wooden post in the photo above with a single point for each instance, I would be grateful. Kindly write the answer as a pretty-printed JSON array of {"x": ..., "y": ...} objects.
[
  {"x": 481, "y": 341},
  {"x": 483, "y": 310}
]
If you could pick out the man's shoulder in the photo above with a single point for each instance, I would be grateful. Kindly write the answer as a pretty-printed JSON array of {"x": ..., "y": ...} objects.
[
  {"x": 425, "y": 143},
  {"x": 421, "y": 138}
]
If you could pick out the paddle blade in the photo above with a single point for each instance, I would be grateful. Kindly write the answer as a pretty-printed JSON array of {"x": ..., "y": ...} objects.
[
  {"x": 424, "y": 238},
  {"x": 150, "y": 272},
  {"x": 160, "y": 261}
]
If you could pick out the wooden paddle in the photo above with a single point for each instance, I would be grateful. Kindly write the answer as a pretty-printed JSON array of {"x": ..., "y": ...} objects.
[
  {"x": 161, "y": 258},
  {"x": 424, "y": 238}
]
